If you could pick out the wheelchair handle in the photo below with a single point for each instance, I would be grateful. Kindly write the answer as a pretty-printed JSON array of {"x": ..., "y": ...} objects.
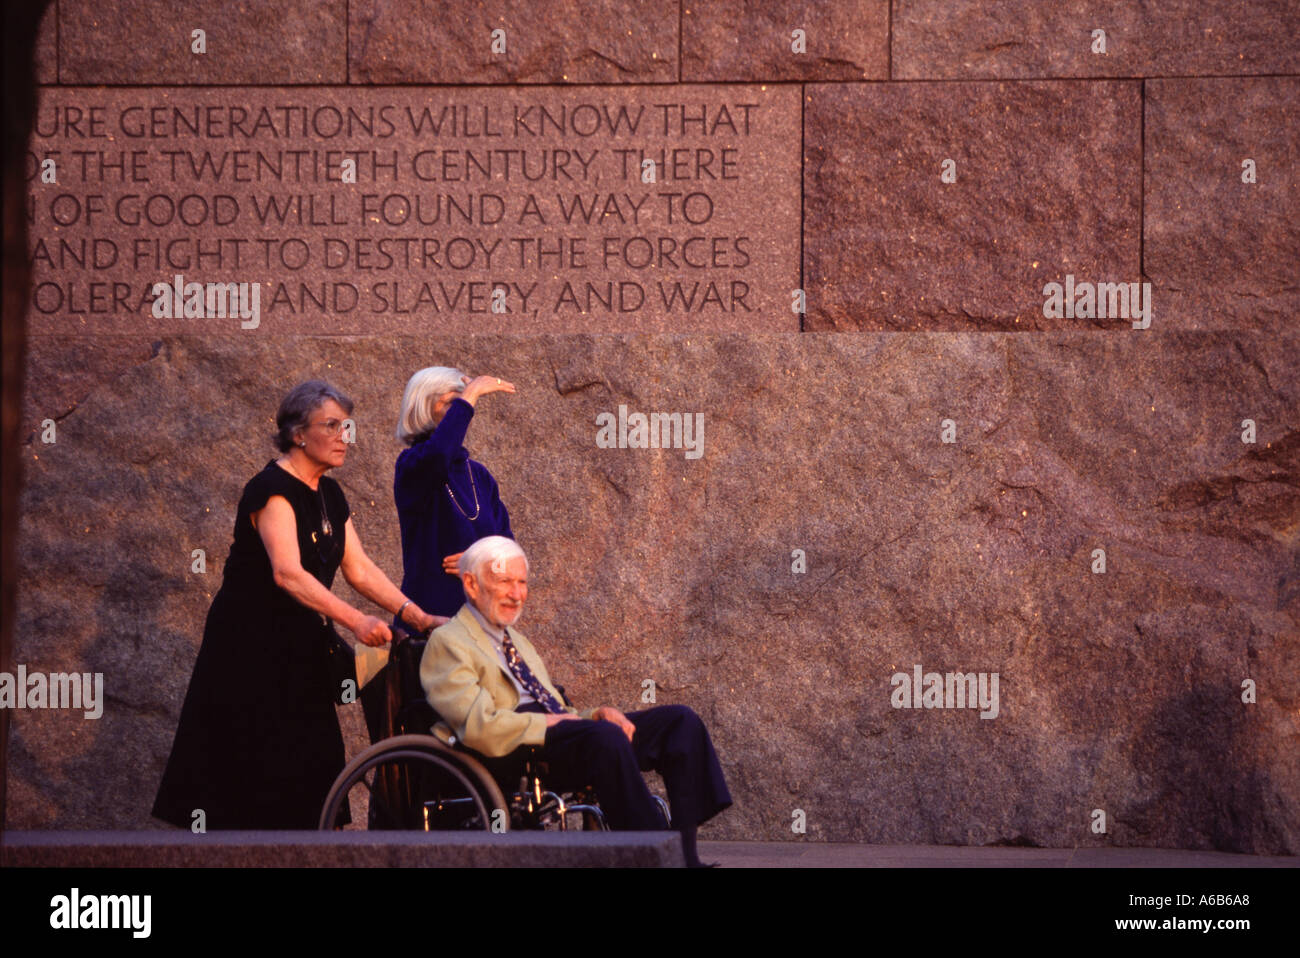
[{"x": 401, "y": 634}]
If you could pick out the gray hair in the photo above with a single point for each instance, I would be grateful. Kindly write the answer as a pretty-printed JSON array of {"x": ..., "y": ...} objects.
[
  {"x": 303, "y": 400},
  {"x": 489, "y": 551},
  {"x": 422, "y": 391}
]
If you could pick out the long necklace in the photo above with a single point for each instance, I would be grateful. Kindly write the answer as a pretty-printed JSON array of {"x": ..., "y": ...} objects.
[
  {"x": 473, "y": 488},
  {"x": 325, "y": 527}
]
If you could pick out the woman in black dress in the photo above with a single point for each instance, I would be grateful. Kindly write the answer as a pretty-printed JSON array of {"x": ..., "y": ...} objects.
[{"x": 258, "y": 745}]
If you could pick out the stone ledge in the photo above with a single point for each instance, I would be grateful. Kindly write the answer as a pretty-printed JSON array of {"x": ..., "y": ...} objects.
[{"x": 299, "y": 849}]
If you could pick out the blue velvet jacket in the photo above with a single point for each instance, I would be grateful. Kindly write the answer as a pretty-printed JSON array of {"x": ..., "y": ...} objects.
[{"x": 436, "y": 523}]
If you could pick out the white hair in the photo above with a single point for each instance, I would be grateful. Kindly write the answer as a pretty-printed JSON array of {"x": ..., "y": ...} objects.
[
  {"x": 422, "y": 391},
  {"x": 492, "y": 551}
]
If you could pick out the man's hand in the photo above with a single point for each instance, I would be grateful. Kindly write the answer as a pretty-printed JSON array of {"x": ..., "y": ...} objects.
[
  {"x": 556, "y": 718},
  {"x": 607, "y": 713}
]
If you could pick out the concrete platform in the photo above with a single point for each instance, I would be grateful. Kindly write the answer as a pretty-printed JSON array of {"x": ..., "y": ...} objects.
[
  {"x": 304, "y": 849},
  {"x": 155, "y": 849}
]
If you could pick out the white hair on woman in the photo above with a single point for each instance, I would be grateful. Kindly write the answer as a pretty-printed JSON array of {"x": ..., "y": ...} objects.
[
  {"x": 492, "y": 551},
  {"x": 422, "y": 391}
]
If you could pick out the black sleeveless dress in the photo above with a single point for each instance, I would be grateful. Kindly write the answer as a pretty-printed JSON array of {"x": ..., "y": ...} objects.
[{"x": 258, "y": 744}]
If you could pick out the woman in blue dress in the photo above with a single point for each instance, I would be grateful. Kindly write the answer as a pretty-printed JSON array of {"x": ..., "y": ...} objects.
[{"x": 446, "y": 501}]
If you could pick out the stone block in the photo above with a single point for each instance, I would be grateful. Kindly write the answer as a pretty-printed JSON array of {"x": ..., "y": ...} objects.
[
  {"x": 347, "y": 849},
  {"x": 947, "y": 206},
  {"x": 541, "y": 41},
  {"x": 1022, "y": 39},
  {"x": 260, "y": 41},
  {"x": 1221, "y": 252},
  {"x": 1120, "y": 690},
  {"x": 753, "y": 42},
  {"x": 47, "y": 46},
  {"x": 362, "y": 211}
]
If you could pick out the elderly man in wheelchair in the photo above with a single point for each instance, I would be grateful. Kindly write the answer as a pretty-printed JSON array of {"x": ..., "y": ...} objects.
[{"x": 501, "y": 722}]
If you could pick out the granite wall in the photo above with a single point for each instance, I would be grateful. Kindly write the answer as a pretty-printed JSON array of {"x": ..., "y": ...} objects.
[{"x": 987, "y": 311}]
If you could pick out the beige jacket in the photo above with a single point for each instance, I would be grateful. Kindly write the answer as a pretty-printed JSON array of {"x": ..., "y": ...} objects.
[{"x": 464, "y": 682}]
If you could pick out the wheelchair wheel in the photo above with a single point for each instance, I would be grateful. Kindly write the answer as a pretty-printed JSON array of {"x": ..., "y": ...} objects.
[{"x": 417, "y": 782}]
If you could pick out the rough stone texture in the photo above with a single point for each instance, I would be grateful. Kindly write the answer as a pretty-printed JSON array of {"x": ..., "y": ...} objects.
[
  {"x": 1048, "y": 183},
  {"x": 1222, "y": 253},
  {"x": 752, "y": 40},
  {"x": 950, "y": 39},
  {"x": 47, "y": 47},
  {"x": 253, "y": 41},
  {"x": 546, "y": 41},
  {"x": 59, "y": 380},
  {"x": 1118, "y": 691},
  {"x": 712, "y": 244},
  {"x": 173, "y": 849}
]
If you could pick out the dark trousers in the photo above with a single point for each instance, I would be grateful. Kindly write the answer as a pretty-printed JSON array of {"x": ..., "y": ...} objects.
[{"x": 669, "y": 739}]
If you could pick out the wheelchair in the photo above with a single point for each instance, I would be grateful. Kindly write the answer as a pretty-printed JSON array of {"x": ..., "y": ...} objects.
[{"x": 413, "y": 780}]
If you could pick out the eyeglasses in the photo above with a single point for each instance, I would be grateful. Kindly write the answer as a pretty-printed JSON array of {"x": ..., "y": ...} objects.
[{"x": 332, "y": 427}]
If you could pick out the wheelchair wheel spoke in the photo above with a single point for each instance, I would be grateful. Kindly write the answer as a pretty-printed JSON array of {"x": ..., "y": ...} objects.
[
  {"x": 415, "y": 782},
  {"x": 378, "y": 808}
]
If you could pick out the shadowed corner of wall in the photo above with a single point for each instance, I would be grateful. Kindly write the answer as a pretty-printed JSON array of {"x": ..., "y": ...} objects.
[
  {"x": 1208, "y": 790},
  {"x": 21, "y": 21}
]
